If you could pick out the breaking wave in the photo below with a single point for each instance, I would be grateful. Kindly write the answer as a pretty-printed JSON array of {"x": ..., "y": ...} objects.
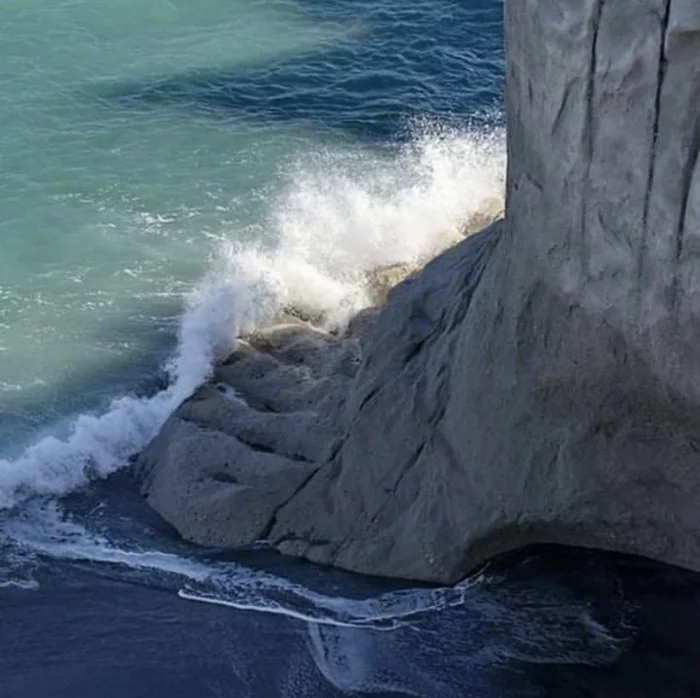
[{"x": 341, "y": 215}]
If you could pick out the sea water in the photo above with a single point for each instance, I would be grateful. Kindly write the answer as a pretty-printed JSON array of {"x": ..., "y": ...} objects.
[{"x": 172, "y": 172}]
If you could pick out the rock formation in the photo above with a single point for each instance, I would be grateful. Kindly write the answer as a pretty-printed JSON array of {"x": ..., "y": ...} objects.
[{"x": 539, "y": 382}]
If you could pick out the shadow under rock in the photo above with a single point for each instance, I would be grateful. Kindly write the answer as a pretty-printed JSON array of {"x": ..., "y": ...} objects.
[{"x": 544, "y": 622}]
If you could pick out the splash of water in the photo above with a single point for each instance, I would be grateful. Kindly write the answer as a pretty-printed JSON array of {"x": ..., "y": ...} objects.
[{"x": 342, "y": 215}]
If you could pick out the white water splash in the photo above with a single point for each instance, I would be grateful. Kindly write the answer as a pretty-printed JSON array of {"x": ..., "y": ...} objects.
[{"x": 342, "y": 215}]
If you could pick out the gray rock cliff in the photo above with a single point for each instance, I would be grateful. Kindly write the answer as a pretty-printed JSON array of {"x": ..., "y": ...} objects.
[{"x": 538, "y": 382}]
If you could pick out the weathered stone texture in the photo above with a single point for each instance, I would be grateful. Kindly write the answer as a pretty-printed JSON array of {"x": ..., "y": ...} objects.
[{"x": 539, "y": 382}]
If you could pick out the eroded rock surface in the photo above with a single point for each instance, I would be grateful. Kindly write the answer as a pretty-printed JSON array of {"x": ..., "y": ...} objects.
[{"x": 539, "y": 382}]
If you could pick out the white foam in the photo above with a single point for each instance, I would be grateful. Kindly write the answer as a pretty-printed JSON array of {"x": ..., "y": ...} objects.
[
  {"x": 267, "y": 594},
  {"x": 44, "y": 530},
  {"x": 267, "y": 606},
  {"x": 341, "y": 215},
  {"x": 347, "y": 214}
]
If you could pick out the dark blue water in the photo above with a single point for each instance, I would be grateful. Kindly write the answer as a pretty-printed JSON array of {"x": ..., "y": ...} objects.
[
  {"x": 548, "y": 622},
  {"x": 439, "y": 60},
  {"x": 99, "y": 598}
]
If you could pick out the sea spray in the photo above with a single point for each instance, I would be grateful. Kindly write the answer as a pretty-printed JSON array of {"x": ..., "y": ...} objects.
[{"x": 341, "y": 215}]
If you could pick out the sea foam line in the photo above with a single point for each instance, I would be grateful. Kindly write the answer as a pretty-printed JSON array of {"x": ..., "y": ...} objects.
[{"x": 44, "y": 530}]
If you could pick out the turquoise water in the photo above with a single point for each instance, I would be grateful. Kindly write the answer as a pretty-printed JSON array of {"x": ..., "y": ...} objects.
[{"x": 171, "y": 173}]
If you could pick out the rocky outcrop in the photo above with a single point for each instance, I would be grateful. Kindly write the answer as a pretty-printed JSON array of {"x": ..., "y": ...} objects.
[{"x": 539, "y": 382}]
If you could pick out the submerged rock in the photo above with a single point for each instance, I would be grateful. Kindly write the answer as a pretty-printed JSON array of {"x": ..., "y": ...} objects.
[{"x": 538, "y": 382}]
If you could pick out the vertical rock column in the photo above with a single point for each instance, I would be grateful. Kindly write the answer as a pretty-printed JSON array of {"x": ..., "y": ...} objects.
[{"x": 604, "y": 181}]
